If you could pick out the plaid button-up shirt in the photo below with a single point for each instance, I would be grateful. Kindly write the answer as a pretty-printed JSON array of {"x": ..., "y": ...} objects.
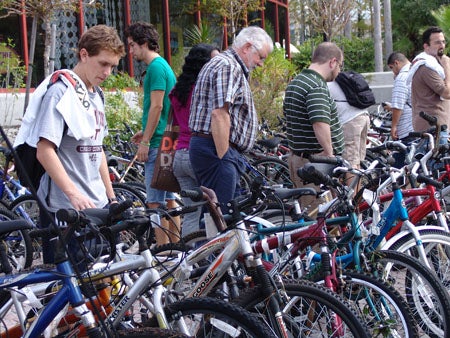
[{"x": 223, "y": 80}]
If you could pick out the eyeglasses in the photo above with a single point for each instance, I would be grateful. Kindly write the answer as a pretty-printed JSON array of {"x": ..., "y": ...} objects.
[
  {"x": 341, "y": 65},
  {"x": 438, "y": 42},
  {"x": 262, "y": 58}
]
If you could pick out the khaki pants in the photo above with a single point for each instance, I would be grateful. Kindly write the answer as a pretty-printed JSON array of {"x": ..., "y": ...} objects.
[{"x": 308, "y": 203}]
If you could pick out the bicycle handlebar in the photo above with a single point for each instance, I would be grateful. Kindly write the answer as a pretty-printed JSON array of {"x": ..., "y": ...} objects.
[
  {"x": 336, "y": 160},
  {"x": 432, "y": 120},
  {"x": 311, "y": 174},
  {"x": 390, "y": 145},
  {"x": 427, "y": 180}
]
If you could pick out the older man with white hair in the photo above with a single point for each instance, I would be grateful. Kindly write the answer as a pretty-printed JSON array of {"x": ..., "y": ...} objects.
[{"x": 223, "y": 118}]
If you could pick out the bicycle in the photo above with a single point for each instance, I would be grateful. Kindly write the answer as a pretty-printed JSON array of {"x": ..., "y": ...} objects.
[
  {"x": 139, "y": 276},
  {"x": 332, "y": 312}
]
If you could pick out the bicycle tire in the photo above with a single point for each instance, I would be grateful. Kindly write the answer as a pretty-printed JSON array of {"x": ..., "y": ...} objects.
[
  {"x": 380, "y": 306},
  {"x": 19, "y": 244},
  {"x": 304, "y": 299},
  {"x": 27, "y": 207},
  {"x": 140, "y": 186},
  {"x": 273, "y": 170},
  {"x": 437, "y": 248},
  {"x": 30, "y": 207},
  {"x": 208, "y": 310},
  {"x": 146, "y": 332},
  {"x": 123, "y": 191},
  {"x": 426, "y": 296}
]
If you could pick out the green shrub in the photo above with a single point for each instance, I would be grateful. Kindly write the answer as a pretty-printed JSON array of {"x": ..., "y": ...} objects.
[
  {"x": 268, "y": 84},
  {"x": 13, "y": 71},
  {"x": 117, "y": 110},
  {"x": 358, "y": 54},
  {"x": 120, "y": 81}
]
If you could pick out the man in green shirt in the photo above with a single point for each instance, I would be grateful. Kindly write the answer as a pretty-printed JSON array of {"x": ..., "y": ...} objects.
[
  {"x": 313, "y": 126},
  {"x": 158, "y": 82}
]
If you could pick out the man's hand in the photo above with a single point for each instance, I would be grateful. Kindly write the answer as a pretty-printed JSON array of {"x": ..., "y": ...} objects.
[
  {"x": 394, "y": 134},
  {"x": 323, "y": 135},
  {"x": 137, "y": 138},
  {"x": 80, "y": 202}
]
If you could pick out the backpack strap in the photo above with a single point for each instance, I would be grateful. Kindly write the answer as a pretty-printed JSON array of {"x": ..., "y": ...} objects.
[
  {"x": 79, "y": 89},
  {"x": 66, "y": 74}
]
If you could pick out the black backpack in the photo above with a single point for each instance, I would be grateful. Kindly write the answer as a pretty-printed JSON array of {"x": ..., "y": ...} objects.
[
  {"x": 31, "y": 167},
  {"x": 356, "y": 89}
]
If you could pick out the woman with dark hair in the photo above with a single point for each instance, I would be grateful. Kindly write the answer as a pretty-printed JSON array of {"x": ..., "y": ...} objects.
[{"x": 180, "y": 98}]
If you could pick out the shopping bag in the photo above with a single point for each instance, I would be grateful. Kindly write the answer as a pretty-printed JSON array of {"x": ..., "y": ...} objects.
[{"x": 163, "y": 177}]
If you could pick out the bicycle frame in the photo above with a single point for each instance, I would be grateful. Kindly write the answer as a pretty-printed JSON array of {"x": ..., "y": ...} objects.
[
  {"x": 69, "y": 293},
  {"x": 4, "y": 180},
  {"x": 125, "y": 262},
  {"x": 38, "y": 280}
]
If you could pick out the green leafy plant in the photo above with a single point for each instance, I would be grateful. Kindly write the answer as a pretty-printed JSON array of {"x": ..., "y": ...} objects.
[
  {"x": 14, "y": 71},
  {"x": 268, "y": 84},
  {"x": 118, "y": 109},
  {"x": 120, "y": 81},
  {"x": 12, "y": 78},
  {"x": 358, "y": 53},
  {"x": 201, "y": 33}
]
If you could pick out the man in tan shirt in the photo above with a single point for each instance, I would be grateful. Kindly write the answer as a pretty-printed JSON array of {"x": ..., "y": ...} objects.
[{"x": 430, "y": 80}]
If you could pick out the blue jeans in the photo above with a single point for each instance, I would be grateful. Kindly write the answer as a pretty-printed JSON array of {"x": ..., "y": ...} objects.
[
  {"x": 154, "y": 195},
  {"x": 399, "y": 156},
  {"x": 182, "y": 169},
  {"x": 219, "y": 174}
]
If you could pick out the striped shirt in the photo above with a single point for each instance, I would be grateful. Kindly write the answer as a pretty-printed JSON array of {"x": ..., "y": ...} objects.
[
  {"x": 224, "y": 80},
  {"x": 401, "y": 99},
  {"x": 308, "y": 100}
]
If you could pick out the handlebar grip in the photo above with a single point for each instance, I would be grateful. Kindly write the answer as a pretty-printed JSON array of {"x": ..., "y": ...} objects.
[
  {"x": 325, "y": 159},
  {"x": 432, "y": 120},
  {"x": 378, "y": 149},
  {"x": 423, "y": 179},
  {"x": 311, "y": 174},
  {"x": 415, "y": 134},
  {"x": 68, "y": 215},
  {"x": 195, "y": 195},
  {"x": 116, "y": 228},
  {"x": 182, "y": 210},
  {"x": 443, "y": 148},
  {"x": 116, "y": 209}
]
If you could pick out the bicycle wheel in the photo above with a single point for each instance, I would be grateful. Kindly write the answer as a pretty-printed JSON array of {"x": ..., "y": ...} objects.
[
  {"x": 309, "y": 310},
  {"x": 146, "y": 332},
  {"x": 27, "y": 207},
  {"x": 211, "y": 317},
  {"x": 17, "y": 243},
  {"x": 426, "y": 296},
  {"x": 123, "y": 192},
  {"x": 273, "y": 170},
  {"x": 437, "y": 248},
  {"x": 140, "y": 186},
  {"x": 381, "y": 307}
]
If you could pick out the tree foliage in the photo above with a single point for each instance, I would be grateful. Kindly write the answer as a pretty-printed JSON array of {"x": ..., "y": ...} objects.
[
  {"x": 410, "y": 19},
  {"x": 358, "y": 53},
  {"x": 42, "y": 10},
  {"x": 202, "y": 33},
  {"x": 442, "y": 16},
  {"x": 235, "y": 11},
  {"x": 329, "y": 17},
  {"x": 268, "y": 84}
]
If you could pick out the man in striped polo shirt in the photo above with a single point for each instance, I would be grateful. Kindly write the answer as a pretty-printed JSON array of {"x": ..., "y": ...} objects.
[
  {"x": 400, "y": 104},
  {"x": 313, "y": 125}
]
